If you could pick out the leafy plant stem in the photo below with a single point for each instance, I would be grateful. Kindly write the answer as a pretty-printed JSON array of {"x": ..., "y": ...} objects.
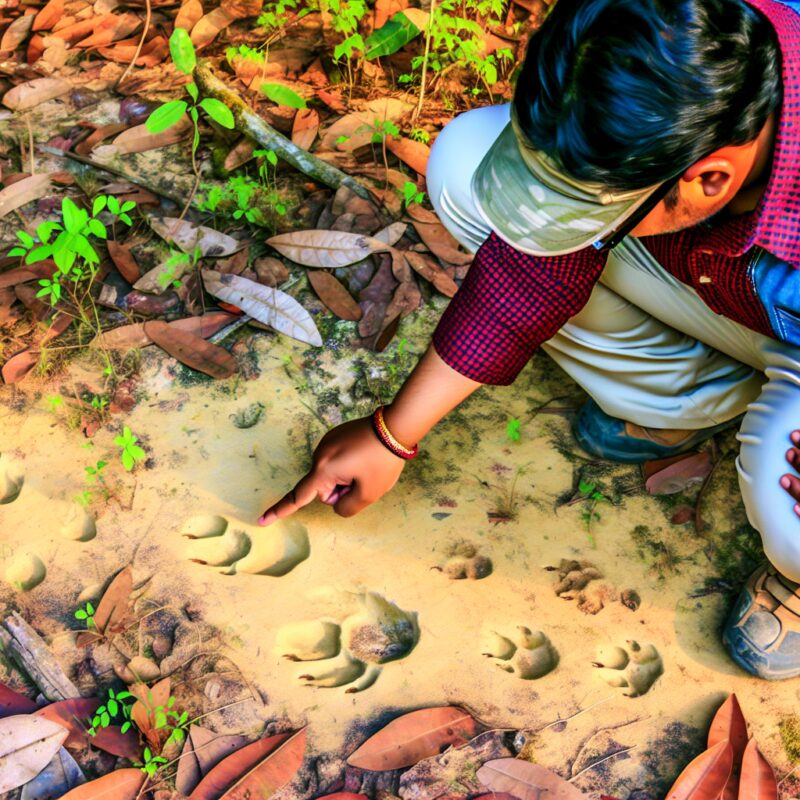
[{"x": 421, "y": 99}]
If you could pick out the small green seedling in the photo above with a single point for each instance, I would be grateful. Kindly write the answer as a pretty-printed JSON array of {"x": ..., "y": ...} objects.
[
  {"x": 54, "y": 401},
  {"x": 419, "y": 135},
  {"x": 513, "y": 430},
  {"x": 151, "y": 763},
  {"x": 95, "y": 473},
  {"x": 86, "y": 614},
  {"x": 411, "y": 194},
  {"x": 117, "y": 707},
  {"x": 592, "y": 495},
  {"x": 83, "y": 498},
  {"x": 131, "y": 452},
  {"x": 165, "y": 116}
]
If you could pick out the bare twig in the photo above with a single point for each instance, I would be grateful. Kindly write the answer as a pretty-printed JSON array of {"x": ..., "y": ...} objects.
[{"x": 147, "y": 18}]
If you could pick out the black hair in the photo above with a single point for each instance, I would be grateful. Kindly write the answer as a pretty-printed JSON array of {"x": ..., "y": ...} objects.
[{"x": 627, "y": 93}]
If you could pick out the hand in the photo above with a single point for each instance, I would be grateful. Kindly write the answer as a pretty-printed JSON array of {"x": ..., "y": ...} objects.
[
  {"x": 791, "y": 482},
  {"x": 351, "y": 470}
]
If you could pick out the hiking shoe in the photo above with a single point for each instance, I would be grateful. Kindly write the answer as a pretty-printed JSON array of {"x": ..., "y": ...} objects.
[
  {"x": 608, "y": 437},
  {"x": 762, "y": 633}
]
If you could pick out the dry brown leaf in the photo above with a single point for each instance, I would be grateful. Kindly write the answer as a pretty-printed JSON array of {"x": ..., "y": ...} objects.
[
  {"x": 19, "y": 365},
  {"x": 149, "y": 700},
  {"x": 523, "y": 779},
  {"x": 758, "y": 781},
  {"x": 122, "y": 784},
  {"x": 13, "y": 703},
  {"x": 99, "y": 135},
  {"x": 27, "y": 744},
  {"x": 407, "y": 298},
  {"x": 113, "y": 610},
  {"x": 414, "y": 736},
  {"x": 203, "y": 750},
  {"x": 305, "y": 128},
  {"x": 334, "y": 295},
  {"x": 269, "y": 306},
  {"x": 77, "y": 29},
  {"x": 350, "y": 125},
  {"x": 413, "y": 153},
  {"x": 33, "y": 93},
  {"x": 729, "y": 723},
  {"x": 124, "y": 261},
  {"x": 188, "y": 236},
  {"x": 706, "y": 776},
  {"x": 258, "y": 770},
  {"x": 49, "y": 15},
  {"x": 23, "y": 192},
  {"x": 240, "y": 9},
  {"x": 16, "y": 33},
  {"x": 271, "y": 271},
  {"x": 437, "y": 238},
  {"x": 127, "y": 337},
  {"x": 384, "y": 9},
  {"x": 400, "y": 266},
  {"x": 240, "y": 155},
  {"x": 325, "y": 248},
  {"x": 32, "y": 272},
  {"x": 209, "y": 26},
  {"x": 191, "y": 350},
  {"x": 138, "y": 139},
  {"x": 432, "y": 272},
  {"x": 113, "y": 28},
  {"x": 153, "y": 53},
  {"x": 189, "y": 14}
]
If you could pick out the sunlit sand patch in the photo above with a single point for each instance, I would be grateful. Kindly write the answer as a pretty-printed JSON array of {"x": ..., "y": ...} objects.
[{"x": 11, "y": 480}]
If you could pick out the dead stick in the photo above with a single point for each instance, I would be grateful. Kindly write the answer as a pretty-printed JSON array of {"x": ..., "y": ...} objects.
[
  {"x": 33, "y": 656},
  {"x": 250, "y": 124}
]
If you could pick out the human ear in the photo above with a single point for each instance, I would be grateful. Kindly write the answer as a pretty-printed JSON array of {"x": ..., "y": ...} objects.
[{"x": 716, "y": 175}]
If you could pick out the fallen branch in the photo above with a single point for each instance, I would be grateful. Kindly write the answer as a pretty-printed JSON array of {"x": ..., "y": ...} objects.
[
  {"x": 250, "y": 124},
  {"x": 33, "y": 656}
]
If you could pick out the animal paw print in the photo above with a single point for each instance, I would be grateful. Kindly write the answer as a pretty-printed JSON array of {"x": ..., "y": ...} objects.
[
  {"x": 351, "y": 653},
  {"x": 11, "y": 480},
  {"x": 464, "y": 561},
  {"x": 635, "y": 667},
  {"x": 274, "y": 551},
  {"x": 576, "y": 581},
  {"x": 527, "y": 654}
]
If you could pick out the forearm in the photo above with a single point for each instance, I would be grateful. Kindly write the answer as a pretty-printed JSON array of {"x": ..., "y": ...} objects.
[{"x": 431, "y": 391}]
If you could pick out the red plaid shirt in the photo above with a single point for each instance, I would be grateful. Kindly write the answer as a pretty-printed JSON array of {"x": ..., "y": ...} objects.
[{"x": 510, "y": 302}]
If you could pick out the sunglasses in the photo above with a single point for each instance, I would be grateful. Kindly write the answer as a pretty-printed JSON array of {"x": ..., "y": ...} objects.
[{"x": 614, "y": 237}]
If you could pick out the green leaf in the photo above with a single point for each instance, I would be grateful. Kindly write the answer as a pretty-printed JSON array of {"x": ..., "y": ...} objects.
[
  {"x": 282, "y": 95},
  {"x": 390, "y": 37},
  {"x": 182, "y": 51},
  {"x": 99, "y": 204},
  {"x": 137, "y": 452},
  {"x": 71, "y": 213},
  {"x": 127, "y": 460},
  {"x": 218, "y": 111},
  {"x": 128, "y": 205},
  {"x": 513, "y": 430},
  {"x": 167, "y": 115},
  {"x": 126, "y": 219},
  {"x": 125, "y": 727},
  {"x": 39, "y": 254},
  {"x": 161, "y": 720},
  {"x": 113, "y": 203},
  {"x": 586, "y": 488},
  {"x": 25, "y": 238},
  {"x": 192, "y": 89},
  {"x": 113, "y": 707},
  {"x": 81, "y": 614},
  {"x": 272, "y": 157},
  {"x": 97, "y": 229},
  {"x": 17, "y": 251}
]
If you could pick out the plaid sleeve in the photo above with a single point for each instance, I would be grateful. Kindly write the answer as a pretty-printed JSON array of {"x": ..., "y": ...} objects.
[{"x": 509, "y": 303}]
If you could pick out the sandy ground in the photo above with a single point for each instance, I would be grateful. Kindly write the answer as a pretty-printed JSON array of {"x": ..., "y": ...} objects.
[{"x": 448, "y": 501}]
